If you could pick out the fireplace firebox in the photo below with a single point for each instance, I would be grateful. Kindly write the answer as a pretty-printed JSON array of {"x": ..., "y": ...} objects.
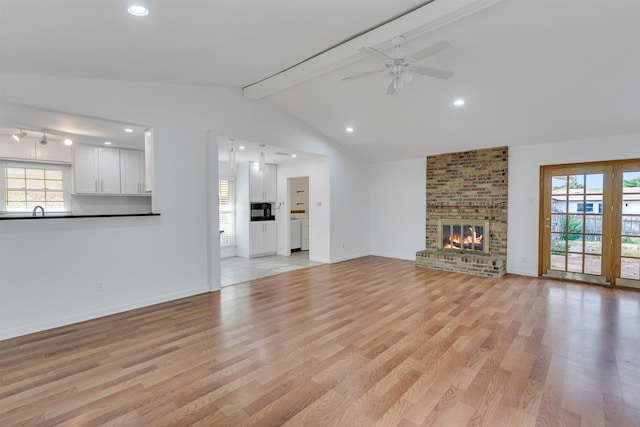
[{"x": 463, "y": 235}]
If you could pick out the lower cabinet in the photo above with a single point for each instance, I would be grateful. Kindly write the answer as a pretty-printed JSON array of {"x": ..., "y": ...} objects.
[
  {"x": 304, "y": 234},
  {"x": 295, "y": 234},
  {"x": 263, "y": 238}
]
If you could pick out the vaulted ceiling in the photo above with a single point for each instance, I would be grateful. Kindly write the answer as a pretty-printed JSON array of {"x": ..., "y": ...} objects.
[{"x": 529, "y": 71}]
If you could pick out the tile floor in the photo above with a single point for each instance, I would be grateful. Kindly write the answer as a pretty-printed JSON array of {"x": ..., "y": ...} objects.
[{"x": 236, "y": 270}]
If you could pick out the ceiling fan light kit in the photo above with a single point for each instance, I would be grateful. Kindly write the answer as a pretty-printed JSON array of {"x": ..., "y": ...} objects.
[{"x": 401, "y": 68}]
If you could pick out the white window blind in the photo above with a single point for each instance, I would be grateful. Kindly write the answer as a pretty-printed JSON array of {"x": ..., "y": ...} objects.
[{"x": 227, "y": 212}]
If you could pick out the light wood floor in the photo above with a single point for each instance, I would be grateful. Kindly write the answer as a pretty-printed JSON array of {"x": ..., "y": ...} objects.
[{"x": 372, "y": 341}]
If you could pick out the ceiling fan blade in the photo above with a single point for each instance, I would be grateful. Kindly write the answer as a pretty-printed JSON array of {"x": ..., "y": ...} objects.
[
  {"x": 433, "y": 72},
  {"x": 431, "y": 50},
  {"x": 357, "y": 76},
  {"x": 375, "y": 53}
]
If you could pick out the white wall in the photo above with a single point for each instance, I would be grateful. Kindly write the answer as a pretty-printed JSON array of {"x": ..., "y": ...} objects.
[
  {"x": 398, "y": 206},
  {"x": 524, "y": 188},
  {"x": 349, "y": 208},
  {"x": 50, "y": 268},
  {"x": 299, "y": 193},
  {"x": 319, "y": 216}
]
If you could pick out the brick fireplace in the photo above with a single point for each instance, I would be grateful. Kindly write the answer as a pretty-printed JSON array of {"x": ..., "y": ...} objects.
[{"x": 467, "y": 190}]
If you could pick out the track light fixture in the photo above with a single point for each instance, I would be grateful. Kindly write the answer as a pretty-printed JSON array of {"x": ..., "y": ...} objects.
[
  {"x": 232, "y": 154},
  {"x": 261, "y": 159},
  {"x": 18, "y": 136}
]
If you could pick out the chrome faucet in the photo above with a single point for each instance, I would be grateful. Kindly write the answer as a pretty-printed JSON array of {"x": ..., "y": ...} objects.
[{"x": 35, "y": 210}]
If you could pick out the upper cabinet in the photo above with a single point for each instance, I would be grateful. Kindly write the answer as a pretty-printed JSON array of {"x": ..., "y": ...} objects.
[
  {"x": 132, "y": 172},
  {"x": 32, "y": 149},
  {"x": 262, "y": 184},
  {"x": 53, "y": 151},
  {"x": 107, "y": 170},
  {"x": 96, "y": 170}
]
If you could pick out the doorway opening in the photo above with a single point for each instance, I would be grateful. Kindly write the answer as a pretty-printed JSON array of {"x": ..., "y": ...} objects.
[{"x": 298, "y": 189}]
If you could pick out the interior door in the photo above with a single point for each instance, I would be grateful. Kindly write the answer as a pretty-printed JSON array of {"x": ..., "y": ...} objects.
[{"x": 576, "y": 223}]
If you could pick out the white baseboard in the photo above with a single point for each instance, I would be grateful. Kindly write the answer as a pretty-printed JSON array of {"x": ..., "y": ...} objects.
[
  {"x": 64, "y": 321},
  {"x": 406, "y": 257},
  {"x": 348, "y": 257},
  {"x": 522, "y": 272},
  {"x": 228, "y": 251}
]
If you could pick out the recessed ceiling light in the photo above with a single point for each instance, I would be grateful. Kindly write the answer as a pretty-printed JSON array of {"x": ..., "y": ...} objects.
[
  {"x": 294, "y": 155},
  {"x": 349, "y": 129},
  {"x": 107, "y": 143},
  {"x": 458, "y": 102},
  {"x": 137, "y": 10},
  {"x": 128, "y": 130},
  {"x": 241, "y": 147},
  {"x": 68, "y": 141}
]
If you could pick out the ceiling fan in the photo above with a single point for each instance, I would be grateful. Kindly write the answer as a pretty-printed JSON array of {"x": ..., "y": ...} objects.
[{"x": 401, "y": 68}]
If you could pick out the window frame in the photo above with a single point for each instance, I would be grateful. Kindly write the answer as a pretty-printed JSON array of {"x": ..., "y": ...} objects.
[{"x": 66, "y": 184}]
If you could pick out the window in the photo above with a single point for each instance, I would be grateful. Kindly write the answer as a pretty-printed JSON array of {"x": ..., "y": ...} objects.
[
  {"x": 26, "y": 185},
  {"x": 227, "y": 212},
  {"x": 585, "y": 207}
]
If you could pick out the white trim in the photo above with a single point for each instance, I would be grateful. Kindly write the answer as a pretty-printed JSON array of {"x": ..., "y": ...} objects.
[
  {"x": 522, "y": 272},
  {"x": 65, "y": 168},
  {"x": 347, "y": 258},
  {"x": 394, "y": 255}
]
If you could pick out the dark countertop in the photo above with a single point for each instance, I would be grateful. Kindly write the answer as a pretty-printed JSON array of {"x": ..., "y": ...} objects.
[{"x": 9, "y": 217}]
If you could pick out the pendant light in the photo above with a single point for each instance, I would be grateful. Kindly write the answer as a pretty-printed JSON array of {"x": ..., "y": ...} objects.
[
  {"x": 232, "y": 154},
  {"x": 261, "y": 159}
]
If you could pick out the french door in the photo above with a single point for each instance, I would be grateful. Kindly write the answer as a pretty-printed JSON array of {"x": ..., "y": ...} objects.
[{"x": 590, "y": 222}]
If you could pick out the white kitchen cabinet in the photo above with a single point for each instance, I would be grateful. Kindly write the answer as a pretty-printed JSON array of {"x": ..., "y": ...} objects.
[
  {"x": 304, "y": 234},
  {"x": 109, "y": 170},
  {"x": 132, "y": 172},
  {"x": 96, "y": 170},
  {"x": 262, "y": 185},
  {"x": 262, "y": 238},
  {"x": 53, "y": 151},
  {"x": 295, "y": 234},
  {"x": 31, "y": 149},
  {"x": 11, "y": 149}
]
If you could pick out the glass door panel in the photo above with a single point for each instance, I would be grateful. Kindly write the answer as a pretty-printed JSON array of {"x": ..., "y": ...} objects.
[
  {"x": 573, "y": 223},
  {"x": 629, "y": 244}
]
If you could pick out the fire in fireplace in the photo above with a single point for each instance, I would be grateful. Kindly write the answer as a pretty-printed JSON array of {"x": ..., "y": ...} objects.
[{"x": 463, "y": 235}]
